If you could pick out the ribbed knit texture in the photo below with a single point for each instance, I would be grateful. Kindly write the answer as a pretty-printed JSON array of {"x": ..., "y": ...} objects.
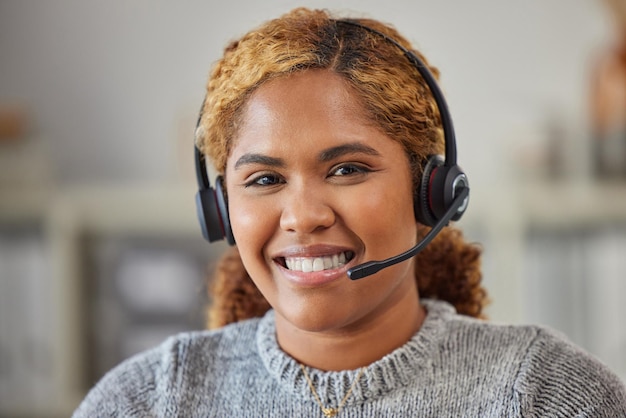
[{"x": 454, "y": 366}]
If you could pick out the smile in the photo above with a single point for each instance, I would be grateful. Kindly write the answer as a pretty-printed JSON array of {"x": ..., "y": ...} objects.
[{"x": 309, "y": 264}]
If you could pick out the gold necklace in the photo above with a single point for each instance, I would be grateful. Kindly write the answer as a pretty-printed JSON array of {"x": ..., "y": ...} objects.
[{"x": 331, "y": 412}]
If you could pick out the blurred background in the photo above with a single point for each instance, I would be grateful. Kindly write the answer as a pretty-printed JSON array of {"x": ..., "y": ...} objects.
[{"x": 100, "y": 252}]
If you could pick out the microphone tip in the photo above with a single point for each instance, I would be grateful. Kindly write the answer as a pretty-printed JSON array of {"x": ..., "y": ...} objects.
[{"x": 351, "y": 275}]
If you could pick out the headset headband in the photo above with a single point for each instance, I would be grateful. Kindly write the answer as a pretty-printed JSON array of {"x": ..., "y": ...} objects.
[{"x": 444, "y": 113}]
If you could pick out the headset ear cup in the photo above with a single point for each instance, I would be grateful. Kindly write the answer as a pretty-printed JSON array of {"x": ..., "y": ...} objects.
[
  {"x": 455, "y": 180},
  {"x": 438, "y": 189},
  {"x": 222, "y": 206},
  {"x": 208, "y": 216},
  {"x": 440, "y": 199},
  {"x": 445, "y": 183},
  {"x": 422, "y": 206},
  {"x": 212, "y": 209}
]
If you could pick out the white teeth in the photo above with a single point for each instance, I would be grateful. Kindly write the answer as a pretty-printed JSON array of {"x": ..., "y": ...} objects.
[
  {"x": 328, "y": 263},
  {"x": 309, "y": 264},
  {"x": 318, "y": 264}
]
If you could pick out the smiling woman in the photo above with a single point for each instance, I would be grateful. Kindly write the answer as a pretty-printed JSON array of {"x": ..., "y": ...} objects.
[
  {"x": 330, "y": 171},
  {"x": 324, "y": 135}
]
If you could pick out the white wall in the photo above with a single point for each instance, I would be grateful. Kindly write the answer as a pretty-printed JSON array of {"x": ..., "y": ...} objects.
[{"x": 114, "y": 86}]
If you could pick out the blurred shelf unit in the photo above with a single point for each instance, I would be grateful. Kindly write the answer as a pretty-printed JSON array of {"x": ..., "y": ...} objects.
[
  {"x": 84, "y": 239},
  {"x": 566, "y": 204},
  {"x": 574, "y": 264},
  {"x": 68, "y": 256}
]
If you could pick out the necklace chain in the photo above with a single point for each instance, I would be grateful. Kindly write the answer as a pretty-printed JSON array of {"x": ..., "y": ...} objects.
[{"x": 331, "y": 412}]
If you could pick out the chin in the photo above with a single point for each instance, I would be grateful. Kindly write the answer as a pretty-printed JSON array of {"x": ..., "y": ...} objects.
[{"x": 322, "y": 318}]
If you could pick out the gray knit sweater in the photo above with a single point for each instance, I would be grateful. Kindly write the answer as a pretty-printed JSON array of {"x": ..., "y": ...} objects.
[{"x": 454, "y": 366}]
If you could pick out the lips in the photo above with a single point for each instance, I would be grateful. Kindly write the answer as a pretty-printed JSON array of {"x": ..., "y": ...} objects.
[{"x": 319, "y": 263}]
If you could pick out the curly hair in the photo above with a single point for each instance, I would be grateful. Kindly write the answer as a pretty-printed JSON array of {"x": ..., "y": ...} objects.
[{"x": 394, "y": 96}]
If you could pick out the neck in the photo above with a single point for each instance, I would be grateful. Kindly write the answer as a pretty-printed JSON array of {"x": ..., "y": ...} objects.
[{"x": 361, "y": 343}]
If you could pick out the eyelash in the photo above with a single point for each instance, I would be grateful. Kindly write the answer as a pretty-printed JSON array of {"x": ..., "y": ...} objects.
[
  {"x": 355, "y": 169},
  {"x": 257, "y": 181},
  {"x": 262, "y": 179}
]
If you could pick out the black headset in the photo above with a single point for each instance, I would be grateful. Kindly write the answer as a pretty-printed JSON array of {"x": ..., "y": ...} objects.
[{"x": 442, "y": 179}]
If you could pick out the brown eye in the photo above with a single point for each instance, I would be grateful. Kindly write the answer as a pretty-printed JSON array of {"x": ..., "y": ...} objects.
[
  {"x": 349, "y": 169},
  {"x": 264, "y": 180}
]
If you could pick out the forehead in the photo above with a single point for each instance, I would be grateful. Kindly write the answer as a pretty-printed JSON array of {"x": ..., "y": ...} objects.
[
  {"x": 308, "y": 105},
  {"x": 316, "y": 93}
]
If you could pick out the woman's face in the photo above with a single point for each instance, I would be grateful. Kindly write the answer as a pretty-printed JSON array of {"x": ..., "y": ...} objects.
[{"x": 315, "y": 188}]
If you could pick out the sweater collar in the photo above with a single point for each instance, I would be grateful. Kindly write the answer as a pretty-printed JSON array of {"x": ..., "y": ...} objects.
[{"x": 399, "y": 368}]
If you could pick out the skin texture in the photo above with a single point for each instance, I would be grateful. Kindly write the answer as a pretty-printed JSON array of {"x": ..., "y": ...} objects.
[{"x": 325, "y": 180}]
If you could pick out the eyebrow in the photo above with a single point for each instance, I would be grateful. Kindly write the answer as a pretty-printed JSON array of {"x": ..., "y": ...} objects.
[
  {"x": 344, "y": 149},
  {"x": 253, "y": 158},
  {"x": 324, "y": 156}
]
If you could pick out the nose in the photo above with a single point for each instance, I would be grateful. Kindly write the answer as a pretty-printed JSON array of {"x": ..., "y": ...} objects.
[{"x": 306, "y": 210}]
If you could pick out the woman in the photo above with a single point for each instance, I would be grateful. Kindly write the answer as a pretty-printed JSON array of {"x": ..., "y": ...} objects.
[{"x": 321, "y": 129}]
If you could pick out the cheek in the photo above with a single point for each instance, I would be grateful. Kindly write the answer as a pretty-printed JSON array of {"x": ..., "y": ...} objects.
[
  {"x": 386, "y": 215},
  {"x": 393, "y": 204},
  {"x": 252, "y": 226}
]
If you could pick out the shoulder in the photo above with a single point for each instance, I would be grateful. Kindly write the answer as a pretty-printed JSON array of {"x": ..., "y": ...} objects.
[
  {"x": 547, "y": 374},
  {"x": 558, "y": 375},
  {"x": 470, "y": 335},
  {"x": 142, "y": 384}
]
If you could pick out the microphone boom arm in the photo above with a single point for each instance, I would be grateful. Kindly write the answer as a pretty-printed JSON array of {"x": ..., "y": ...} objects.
[{"x": 371, "y": 267}]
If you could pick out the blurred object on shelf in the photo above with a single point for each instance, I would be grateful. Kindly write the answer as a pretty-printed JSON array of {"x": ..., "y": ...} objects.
[
  {"x": 26, "y": 163},
  {"x": 608, "y": 100},
  {"x": 13, "y": 122},
  {"x": 569, "y": 153},
  {"x": 529, "y": 152},
  {"x": 552, "y": 148},
  {"x": 25, "y": 160},
  {"x": 138, "y": 291}
]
